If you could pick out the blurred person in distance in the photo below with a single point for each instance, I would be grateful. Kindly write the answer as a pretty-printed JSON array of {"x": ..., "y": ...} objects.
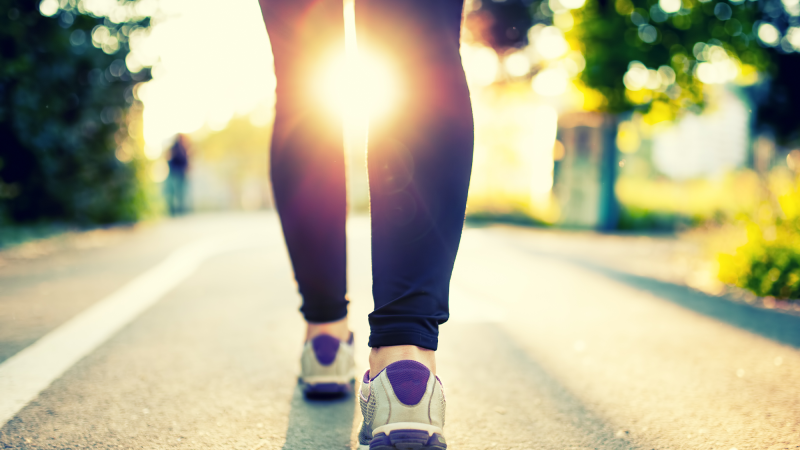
[
  {"x": 178, "y": 163},
  {"x": 419, "y": 163}
]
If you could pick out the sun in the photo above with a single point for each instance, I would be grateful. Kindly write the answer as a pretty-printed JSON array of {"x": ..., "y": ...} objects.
[{"x": 356, "y": 86}]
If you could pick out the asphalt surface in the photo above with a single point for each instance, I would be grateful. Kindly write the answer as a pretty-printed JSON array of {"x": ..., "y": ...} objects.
[{"x": 549, "y": 347}]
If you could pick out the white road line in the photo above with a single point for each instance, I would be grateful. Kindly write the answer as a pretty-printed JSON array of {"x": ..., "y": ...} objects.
[{"x": 29, "y": 372}]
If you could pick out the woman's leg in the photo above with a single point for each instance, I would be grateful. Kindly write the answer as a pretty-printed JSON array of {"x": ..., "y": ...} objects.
[
  {"x": 419, "y": 162},
  {"x": 307, "y": 158},
  {"x": 420, "y": 158}
]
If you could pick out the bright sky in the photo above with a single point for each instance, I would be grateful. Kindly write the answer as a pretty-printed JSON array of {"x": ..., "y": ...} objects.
[
  {"x": 707, "y": 144},
  {"x": 214, "y": 62}
]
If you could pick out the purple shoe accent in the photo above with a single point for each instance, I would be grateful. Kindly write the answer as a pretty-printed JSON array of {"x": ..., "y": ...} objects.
[
  {"x": 408, "y": 439},
  {"x": 376, "y": 375},
  {"x": 325, "y": 347},
  {"x": 437, "y": 442},
  {"x": 409, "y": 380},
  {"x": 380, "y": 442},
  {"x": 366, "y": 377}
]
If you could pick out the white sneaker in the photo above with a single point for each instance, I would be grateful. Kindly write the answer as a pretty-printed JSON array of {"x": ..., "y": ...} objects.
[
  {"x": 403, "y": 408},
  {"x": 327, "y": 366}
]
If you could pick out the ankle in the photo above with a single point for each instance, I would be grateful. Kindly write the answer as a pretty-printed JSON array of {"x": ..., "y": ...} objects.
[
  {"x": 338, "y": 329},
  {"x": 380, "y": 357}
]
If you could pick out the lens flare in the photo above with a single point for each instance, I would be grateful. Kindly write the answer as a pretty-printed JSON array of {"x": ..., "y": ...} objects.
[
  {"x": 358, "y": 85},
  {"x": 550, "y": 82},
  {"x": 768, "y": 34},
  {"x": 480, "y": 65},
  {"x": 670, "y": 6},
  {"x": 48, "y": 8}
]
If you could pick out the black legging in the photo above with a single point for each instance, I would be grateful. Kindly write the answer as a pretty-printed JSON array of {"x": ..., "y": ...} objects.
[{"x": 419, "y": 161}]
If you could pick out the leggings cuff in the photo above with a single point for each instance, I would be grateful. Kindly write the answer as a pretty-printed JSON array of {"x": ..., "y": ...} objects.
[
  {"x": 428, "y": 341},
  {"x": 325, "y": 315}
]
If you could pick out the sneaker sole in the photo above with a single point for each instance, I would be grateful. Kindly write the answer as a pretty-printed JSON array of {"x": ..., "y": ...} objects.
[
  {"x": 407, "y": 440},
  {"x": 326, "y": 390}
]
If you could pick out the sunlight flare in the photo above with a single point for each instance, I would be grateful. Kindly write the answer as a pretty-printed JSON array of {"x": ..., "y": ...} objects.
[{"x": 355, "y": 85}]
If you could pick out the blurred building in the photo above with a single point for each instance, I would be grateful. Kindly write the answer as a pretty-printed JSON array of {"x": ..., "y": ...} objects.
[
  {"x": 707, "y": 144},
  {"x": 585, "y": 174}
]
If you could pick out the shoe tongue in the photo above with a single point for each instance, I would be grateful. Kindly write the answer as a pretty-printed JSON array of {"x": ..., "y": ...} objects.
[
  {"x": 409, "y": 380},
  {"x": 325, "y": 348}
]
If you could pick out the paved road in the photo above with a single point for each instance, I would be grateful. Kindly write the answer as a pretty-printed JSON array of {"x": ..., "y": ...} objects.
[{"x": 545, "y": 349}]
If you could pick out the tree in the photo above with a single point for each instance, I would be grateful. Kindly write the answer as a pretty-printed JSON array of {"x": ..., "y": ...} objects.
[
  {"x": 501, "y": 25},
  {"x": 669, "y": 49},
  {"x": 656, "y": 56},
  {"x": 673, "y": 48},
  {"x": 778, "y": 98},
  {"x": 65, "y": 94}
]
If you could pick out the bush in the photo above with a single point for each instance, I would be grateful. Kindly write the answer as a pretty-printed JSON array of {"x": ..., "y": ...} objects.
[
  {"x": 766, "y": 268},
  {"x": 769, "y": 263},
  {"x": 633, "y": 218},
  {"x": 64, "y": 105},
  {"x": 663, "y": 204}
]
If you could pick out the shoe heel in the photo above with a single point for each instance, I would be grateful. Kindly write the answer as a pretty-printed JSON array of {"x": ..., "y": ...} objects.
[{"x": 408, "y": 440}]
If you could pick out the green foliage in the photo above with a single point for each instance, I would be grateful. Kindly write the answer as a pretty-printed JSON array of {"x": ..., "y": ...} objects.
[
  {"x": 766, "y": 267},
  {"x": 622, "y": 31},
  {"x": 661, "y": 203},
  {"x": 616, "y": 35},
  {"x": 64, "y": 109},
  {"x": 12, "y": 235},
  {"x": 633, "y": 218},
  {"x": 768, "y": 264}
]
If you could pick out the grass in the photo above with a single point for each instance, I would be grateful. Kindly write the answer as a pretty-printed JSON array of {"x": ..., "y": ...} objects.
[{"x": 13, "y": 235}]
